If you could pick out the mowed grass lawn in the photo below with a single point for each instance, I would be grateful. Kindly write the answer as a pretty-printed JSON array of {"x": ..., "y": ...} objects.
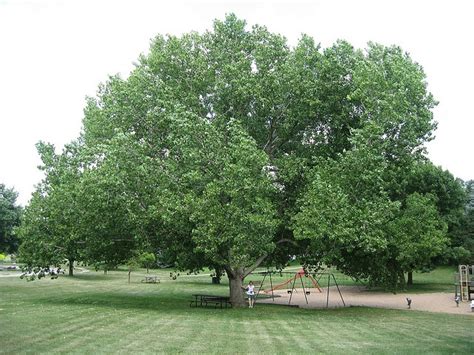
[{"x": 96, "y": 313}]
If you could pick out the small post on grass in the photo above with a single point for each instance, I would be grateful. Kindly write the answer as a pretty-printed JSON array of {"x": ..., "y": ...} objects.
[
  {"x": 327, "y": 295},
  {"x": 271, "y": 286}
]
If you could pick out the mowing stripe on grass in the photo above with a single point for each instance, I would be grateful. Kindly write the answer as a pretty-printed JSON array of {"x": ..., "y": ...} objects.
[{"x": 104, "y": 314}]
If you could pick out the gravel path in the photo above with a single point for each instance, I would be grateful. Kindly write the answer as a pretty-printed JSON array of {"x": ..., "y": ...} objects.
[{"x": 355, "y": 296}]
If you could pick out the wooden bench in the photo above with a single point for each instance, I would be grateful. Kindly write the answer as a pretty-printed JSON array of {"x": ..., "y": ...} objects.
[
  {"x": 151, "y": 279},
  {"x": 201, "y": 300}
]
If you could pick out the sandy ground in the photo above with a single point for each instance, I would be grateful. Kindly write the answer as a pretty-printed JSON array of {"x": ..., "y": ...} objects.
[{"x": 358, "y": 296}]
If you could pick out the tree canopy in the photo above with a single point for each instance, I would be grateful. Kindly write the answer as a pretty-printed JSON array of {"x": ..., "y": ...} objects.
[
  {"x": 10, "y": 214},
  {"x": 229, "y": 148},
  {"x": 462, "y": 234}
]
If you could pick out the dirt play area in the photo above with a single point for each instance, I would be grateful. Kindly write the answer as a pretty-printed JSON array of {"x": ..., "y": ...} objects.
[{"x": 359, "y": 296}]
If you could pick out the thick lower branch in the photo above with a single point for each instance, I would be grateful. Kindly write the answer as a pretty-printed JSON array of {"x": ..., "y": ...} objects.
[
  {"x": 255, "y": 265},
  {"x": 284, "y": 240},
  {"x": 229, "y": 271}
]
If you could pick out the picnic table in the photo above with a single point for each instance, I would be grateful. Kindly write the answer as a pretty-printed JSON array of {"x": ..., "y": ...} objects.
[
  {"x": 151, "y": 279},
  {"x": 203, "y": 300}
]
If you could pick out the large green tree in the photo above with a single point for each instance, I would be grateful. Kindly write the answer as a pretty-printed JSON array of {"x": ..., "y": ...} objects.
[
  {"x": 297, "y": 104},
  {"x": 215, "y": 141}
]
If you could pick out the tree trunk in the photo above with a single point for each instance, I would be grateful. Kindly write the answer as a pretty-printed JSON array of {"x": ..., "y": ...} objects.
[
  {"x": 410, "y": 278},
  {"x": 71, "y": 267},
  {"x": 235, "y": 286},
  {"x": 401, "y": 280},
  {"x": 236, "y": 277},
  {"x": 217, "y": 279}
]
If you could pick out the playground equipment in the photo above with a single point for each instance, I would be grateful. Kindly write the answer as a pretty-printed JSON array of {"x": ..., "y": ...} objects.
[
  {"x": 299, "y": 275},
  {"x": 464, "y": 282}
]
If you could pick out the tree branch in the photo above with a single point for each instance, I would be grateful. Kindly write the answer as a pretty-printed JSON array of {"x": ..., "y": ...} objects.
[
  {"x": 248, "y": 270},
  {"x": 285, "y": 240},
  {"x": 229, "y": 271}
]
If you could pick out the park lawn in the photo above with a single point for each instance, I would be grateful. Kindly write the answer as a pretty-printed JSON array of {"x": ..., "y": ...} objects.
[
  {"x": 439, "y": 280},
  {"x": 96, "y": 313}
]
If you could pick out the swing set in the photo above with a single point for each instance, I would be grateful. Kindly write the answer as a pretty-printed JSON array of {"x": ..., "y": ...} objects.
[{"x": 313, "y": 279}]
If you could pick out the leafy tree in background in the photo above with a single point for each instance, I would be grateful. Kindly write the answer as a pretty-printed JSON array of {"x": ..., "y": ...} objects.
[
  {"x": 147, "y": 260},
  {"x": 420, "y": 235},
  {"x": 449, "y": 192},
  {"x": 49, "y": 231},
  {"x": 470, "y": 193},
  {"x": 463, "y": 232},
  {"x": 354, "y": 225},
  {"x": 10, "y": 214},
  {"x": 463, "y": 239},
  {"x": 449, "y": 196}
]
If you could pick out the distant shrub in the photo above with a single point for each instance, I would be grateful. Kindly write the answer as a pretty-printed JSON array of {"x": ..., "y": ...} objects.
[{"x": 147, "y": 260}]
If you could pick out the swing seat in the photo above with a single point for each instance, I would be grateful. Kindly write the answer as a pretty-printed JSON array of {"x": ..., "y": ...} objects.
[
  {"x": 308, "y": 292},
  {"x": 289, "y": 291}
]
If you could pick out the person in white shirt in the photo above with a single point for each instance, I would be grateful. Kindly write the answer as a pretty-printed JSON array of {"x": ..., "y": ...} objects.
[{"x": 250, "y": 290}]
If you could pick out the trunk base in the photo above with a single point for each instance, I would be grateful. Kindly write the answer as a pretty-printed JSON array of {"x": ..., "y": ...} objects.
[
  {"x": 236, "y": 294},
  {"x": 71, "y": 267}
]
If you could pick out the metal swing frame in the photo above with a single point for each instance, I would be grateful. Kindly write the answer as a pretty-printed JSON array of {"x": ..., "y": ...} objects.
[{"x": 317, "y": 276}]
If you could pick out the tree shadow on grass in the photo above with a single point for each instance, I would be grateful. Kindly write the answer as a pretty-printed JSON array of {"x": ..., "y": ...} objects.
[
  {"x": 157, "y": 302},
  {"x": 416, "y": 288},
  {"x": 429, "y": 287},
  {"x": 206, "y": 284},
  {"x": 154, "y": 299},
  {"x": 171, "y": 305},
  {"x": 137, "y": 279},
  {"x": 89, "y": 277}
]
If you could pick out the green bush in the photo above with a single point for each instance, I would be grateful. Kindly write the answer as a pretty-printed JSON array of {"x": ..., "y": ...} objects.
[{"x": 147, "y": 260}]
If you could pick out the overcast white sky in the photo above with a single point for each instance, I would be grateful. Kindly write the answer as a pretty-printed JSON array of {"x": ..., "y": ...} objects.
[{"x": 55, "y": 52}]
